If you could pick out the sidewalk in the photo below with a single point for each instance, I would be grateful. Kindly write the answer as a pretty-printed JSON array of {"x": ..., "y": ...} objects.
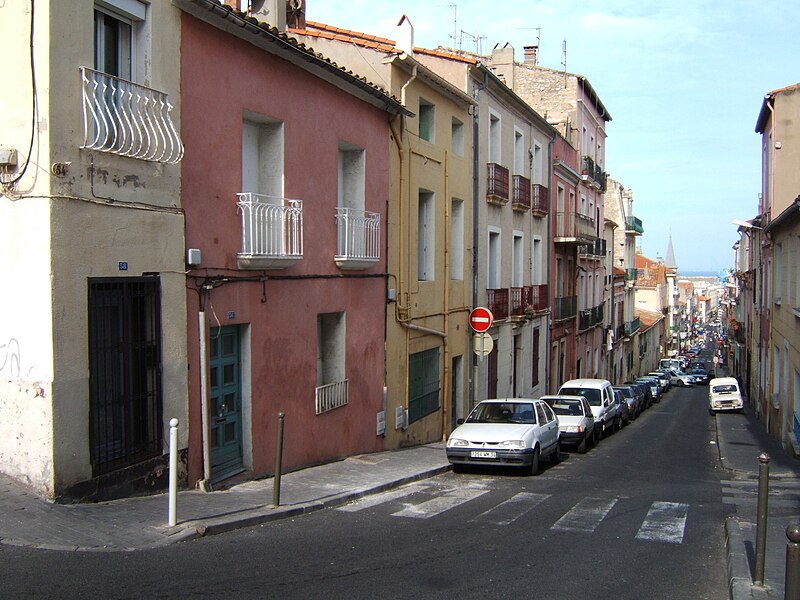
[
  {"x": 142, "y": 522},
  {"x": 741, "y": 439}
]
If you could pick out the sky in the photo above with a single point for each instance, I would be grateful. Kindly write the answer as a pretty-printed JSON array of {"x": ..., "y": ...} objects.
[{"x": 683, "y": 81}]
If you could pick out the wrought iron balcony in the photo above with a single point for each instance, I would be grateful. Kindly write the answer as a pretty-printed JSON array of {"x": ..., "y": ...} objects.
[
  {"x": 632, "y": 224},
  {"x": 497, "y": 302},
  {"x": 632, "y": 327},
  {"x": 540, "y": 204},
  {"x": 596, "y": 250},
  {"x": 528, "y": 300},
  {"x": 127, "y": 119},
  {"x": 631, "y": 275},
  {"x": 497, "y": 184},
  {"x": 521, "y": 198},
  {"x": 358, "y": 238},
  {"x": 565, "y": 307},
  {"x": 592, "y": 171},
  {"x": 574, "y": 227},
  {"x": 330, "y": 396},
  {"x": 272, "y": 231}
]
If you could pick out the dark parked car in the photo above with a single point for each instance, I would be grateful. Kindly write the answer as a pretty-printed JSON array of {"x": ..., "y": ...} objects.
[
  {"x": 634, "y": 398},
  {"x": 624, "y": 411},
  {"x": 700, "y": 376},
  {"x": 646, "y": 391}
]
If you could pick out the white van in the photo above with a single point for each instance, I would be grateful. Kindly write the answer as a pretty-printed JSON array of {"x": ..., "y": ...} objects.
[
  {"x": 600, "y": 395},
  {"x": 724, "y": 394}
]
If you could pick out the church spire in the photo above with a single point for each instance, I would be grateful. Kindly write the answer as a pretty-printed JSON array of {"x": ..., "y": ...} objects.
[{"x": 670, "y": 260}]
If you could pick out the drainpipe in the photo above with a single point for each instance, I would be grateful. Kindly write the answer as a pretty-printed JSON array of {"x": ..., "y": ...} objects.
[
  {"x": 550, "y": 253},
  {"x": 447, "y": 383},
  {"x": 205, "y": 483},
  {"x": 475, "y": 230}
]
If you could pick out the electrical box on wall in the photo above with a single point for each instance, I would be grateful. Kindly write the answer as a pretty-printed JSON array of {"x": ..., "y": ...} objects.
[
  {"x": 193, "y": 257},
  {"x": 8, "y": 157}
]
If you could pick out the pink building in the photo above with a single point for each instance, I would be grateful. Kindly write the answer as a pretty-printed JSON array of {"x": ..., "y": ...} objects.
[{"x": 285, "y": 189}]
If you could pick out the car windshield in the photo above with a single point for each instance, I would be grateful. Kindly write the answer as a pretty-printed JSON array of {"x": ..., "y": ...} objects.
[
  {"x": 568, "y": 408},
  {"x": 627, "y": 392},
  {"x": 592, "y": 395},
  {"x": 724, "y": 389},
  {"x": 503, "y": 412}
]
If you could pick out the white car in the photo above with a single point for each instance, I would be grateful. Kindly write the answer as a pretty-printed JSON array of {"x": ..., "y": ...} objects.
[
  {"x": 600, "y": 395},
  {"x": 679, "y": 378},
  {"x": 724, "y": 394},
  {"x": 575, "y": 420},
  {"x": 506, "y": 432}
]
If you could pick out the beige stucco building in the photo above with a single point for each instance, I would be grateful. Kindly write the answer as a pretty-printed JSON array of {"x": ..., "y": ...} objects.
[{"x": 92, "y": 332}]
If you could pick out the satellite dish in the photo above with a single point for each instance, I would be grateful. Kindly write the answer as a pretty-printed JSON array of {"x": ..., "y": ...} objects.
[{"x": 256, "y": 5}]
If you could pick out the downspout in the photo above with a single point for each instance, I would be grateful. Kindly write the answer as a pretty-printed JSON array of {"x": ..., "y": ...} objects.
[
  {"x": 446, "y": 379},
  {"x": 205, "y": 483},
  {"x": 550, "y": 252},
  {"x": 475, "y": 229}
]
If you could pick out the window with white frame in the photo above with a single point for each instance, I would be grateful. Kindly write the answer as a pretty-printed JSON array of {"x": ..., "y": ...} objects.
[
  {"x": 262, "y": 156},
  {"x": 538, "y": 166},
  {"x": 457, "y": 239},
  {"x": 331, "y": 391},
  {"x": 778, "y": 273},
  {"x": 537, "y": 269},
  {"x": 116, "y": 24},
  {"x": 427, "y": 120},
  {"x": 426, "y": 237},
  {"x": 352, "y": 176}
]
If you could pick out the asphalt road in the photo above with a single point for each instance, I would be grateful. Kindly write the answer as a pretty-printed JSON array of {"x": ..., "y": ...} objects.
[{"x": 639, "y": 516}]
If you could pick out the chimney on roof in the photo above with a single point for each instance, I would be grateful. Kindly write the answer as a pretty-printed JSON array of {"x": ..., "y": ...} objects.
[
  {"x": 405, "y": 35},
  {"x": 296, "y": 14},
  {"x": 531, "y": 55},
  {"x": 271, "y": 12}
]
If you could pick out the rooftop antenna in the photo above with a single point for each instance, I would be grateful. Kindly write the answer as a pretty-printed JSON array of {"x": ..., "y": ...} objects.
[
  {"x": 564, "y": 60},
  {"x": 475, "y": 38},
  {"x": 454, "y": 37}
]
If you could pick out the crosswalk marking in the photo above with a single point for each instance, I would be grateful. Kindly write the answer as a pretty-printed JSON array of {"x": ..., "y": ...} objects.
[
  {"x": 586, "y": 515},
  {"x": 438, "y": 505},
  {"x": 375, "y": 500},
  {"x": 665, "y": 522},
  {"x": 512, "y": 509}
]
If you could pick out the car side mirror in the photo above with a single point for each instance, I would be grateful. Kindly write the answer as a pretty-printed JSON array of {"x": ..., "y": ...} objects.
[{"x": 459, "y": 421}]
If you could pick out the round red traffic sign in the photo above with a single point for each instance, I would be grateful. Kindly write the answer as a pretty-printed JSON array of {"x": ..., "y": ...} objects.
[{"x": 480, "y": 319}]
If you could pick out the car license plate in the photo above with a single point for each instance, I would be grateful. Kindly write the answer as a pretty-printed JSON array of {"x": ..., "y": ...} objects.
[{"x": 483, "y": 454}]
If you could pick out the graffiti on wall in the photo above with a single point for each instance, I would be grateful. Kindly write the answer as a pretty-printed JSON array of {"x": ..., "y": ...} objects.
[{"x": 10, "y": 358}]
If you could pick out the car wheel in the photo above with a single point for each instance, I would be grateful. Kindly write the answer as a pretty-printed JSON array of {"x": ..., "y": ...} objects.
[
  {"x": 459, "y": 468},
  {"x": 710, "y": 412},
  {"x": 534, "y": 468},
  {"x": 556, "y": 455},
  {"x": 583, "y": 445}
]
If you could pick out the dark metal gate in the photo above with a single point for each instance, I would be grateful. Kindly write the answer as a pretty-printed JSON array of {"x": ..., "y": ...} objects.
[{"x": 124, "y": 371}]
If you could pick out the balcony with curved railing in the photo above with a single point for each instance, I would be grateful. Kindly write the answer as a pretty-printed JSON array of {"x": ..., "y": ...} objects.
[
  {"x": 124, "y": 118},
  {"x": 272, "y": 231},
  {"x": 358, "y": 238}
]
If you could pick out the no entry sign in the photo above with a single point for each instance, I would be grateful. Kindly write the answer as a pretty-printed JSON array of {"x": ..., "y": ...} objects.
[{"x": 480, "y": 319}]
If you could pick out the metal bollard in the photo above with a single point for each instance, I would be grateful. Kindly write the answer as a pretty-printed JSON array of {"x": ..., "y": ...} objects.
[
  {"x": 276, "y": 482},
  {"x": 173, "y": 472},
  {"x": 792, "y": 581},
  {"x": 761, "y": 520}
]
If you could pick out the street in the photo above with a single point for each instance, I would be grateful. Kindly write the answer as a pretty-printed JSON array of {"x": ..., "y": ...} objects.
[{"x": 639, "y": 516}]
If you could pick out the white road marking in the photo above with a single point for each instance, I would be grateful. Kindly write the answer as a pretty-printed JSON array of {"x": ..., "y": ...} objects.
[
  {"x": 585, "y": 516},
  {"x": 374, "y": 500},
  {"x": 512, "y": 509},
  {"x": 665, "y": 522},
  {"x": 446, "y": 501}
]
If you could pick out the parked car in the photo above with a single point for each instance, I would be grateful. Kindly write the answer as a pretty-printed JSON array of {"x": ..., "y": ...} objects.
[
  {"x": 645, "y": 390},
  {"x": 655, "y": 387},
  {"x": 679, "y": 378},
  {"x": 624, "y": 410},
  {"x": 724, "y": 395},
  {"x": 575, "y": 421},
  {"x": 600, "y": 395},
  {"x": 700, "y": 376},
  {"x": 666, "y": 382},
  {"x": 632, "y": 397},
  {"x": 506, "y": 432}
]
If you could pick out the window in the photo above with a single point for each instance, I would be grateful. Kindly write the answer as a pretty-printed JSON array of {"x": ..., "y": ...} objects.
[
  {"x": 457, "y": 137},
  {"x": 262, "y": 156},
  {"x": 796, "y": 273},
  {"x": 518, "y": 251},
  {"x": 537, "y": 269},
  {"x": 115, "y": 24},
  {"x": 426, "y": 237},
  {"x": 538, "y": 175},
  {"x": 519, "y": 152},
  {"x": 426, "y": 121},
  {"x": 331, "y": 391},
  {"x": 351, "y": 176},
  {"x": 495, "y": 155},
  {"x": 493, "y": 260},
  {"x": 125, "y": 404},
  {"x": 778, "y": 273},
  {"x": 457, "y": 239},
  {"x": 423, "y": 386}
]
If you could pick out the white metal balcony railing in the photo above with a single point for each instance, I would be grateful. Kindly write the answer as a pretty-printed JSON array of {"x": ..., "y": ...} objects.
[
  {"x": 330, "y": 396},
  {"x": 358, "y": 238},
  {"x": 272, "y": 231},
  {"x": 127, "y": 119}
]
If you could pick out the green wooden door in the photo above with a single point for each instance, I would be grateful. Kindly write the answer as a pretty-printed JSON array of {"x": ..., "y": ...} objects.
[{"x": 225, "y": 402}]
